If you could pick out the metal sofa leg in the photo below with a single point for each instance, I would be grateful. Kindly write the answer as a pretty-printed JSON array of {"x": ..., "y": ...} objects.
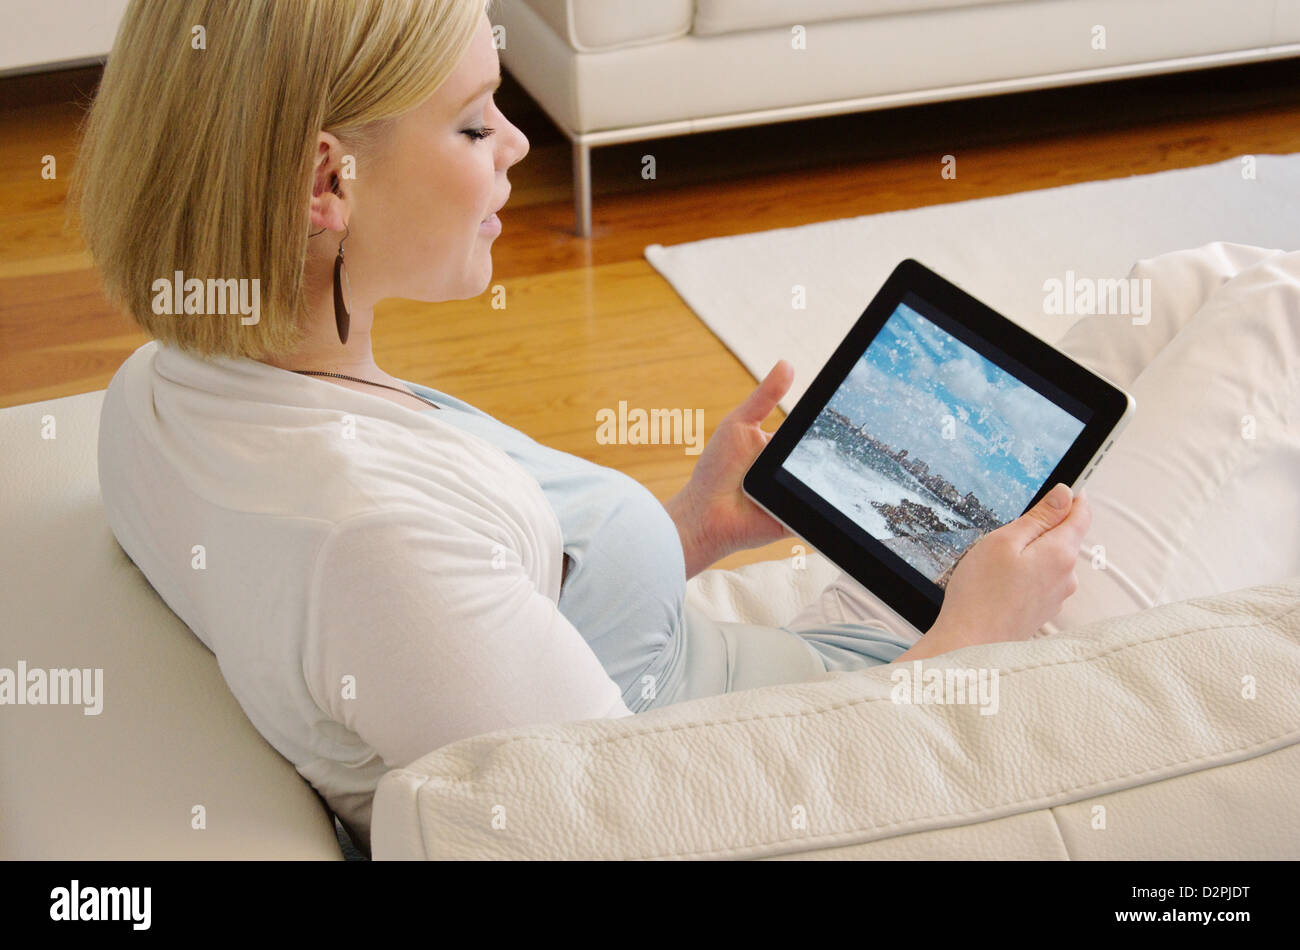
[{"x": 582, "y": 188}]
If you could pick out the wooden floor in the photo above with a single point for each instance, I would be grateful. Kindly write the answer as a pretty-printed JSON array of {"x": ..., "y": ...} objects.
[{"x": 589, "y": 322}]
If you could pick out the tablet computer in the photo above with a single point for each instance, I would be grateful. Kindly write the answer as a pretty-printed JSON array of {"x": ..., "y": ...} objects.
[{"x": 935, "y": 421}]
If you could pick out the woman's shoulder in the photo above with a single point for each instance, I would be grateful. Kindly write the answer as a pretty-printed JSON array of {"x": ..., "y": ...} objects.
[{"x": 254, "y": 441}]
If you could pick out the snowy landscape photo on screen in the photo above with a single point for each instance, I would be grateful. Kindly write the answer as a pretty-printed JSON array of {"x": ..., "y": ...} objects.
[{"x": 927, "y": 445}]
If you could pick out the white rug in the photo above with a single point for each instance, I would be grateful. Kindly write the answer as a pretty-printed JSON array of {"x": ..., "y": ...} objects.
[{"x": 1001, "y": 250}]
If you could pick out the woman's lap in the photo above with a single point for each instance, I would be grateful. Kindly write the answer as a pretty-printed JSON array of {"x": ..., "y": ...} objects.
[{"x": 725, "y": 656}]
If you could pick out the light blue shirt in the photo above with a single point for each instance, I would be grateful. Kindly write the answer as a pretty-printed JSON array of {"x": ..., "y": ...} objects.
[{"x": 626, "y": 587}]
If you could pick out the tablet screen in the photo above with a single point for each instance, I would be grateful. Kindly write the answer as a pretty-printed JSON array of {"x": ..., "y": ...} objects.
[{"x": 927, "y": 444}]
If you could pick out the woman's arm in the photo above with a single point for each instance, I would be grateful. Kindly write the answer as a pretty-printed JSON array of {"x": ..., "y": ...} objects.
[
  {"x": 698, "y": 550},
  {"x": 423, "y": 630},
  {"x": 713, "y": 515}
]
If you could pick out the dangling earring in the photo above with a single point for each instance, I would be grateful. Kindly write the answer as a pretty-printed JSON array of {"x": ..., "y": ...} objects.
[{"x": 341, "y": 315}]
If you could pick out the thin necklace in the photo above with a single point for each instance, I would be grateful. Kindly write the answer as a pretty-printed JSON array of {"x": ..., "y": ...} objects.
[{"x": 370, "y": 382}]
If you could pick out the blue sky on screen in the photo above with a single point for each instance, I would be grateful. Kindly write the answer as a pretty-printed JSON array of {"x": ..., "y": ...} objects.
[{"x": 1008, "y": 437}]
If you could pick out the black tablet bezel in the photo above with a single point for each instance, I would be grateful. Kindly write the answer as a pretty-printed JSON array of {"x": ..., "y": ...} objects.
[{"x": 1078, "y": 390}]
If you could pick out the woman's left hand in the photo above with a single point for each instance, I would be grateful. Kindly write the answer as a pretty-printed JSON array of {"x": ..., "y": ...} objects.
[{"x": 713, "y": 514}]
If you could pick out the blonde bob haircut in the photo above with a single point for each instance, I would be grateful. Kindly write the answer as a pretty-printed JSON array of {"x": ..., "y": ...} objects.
[{"x": 200, "y": 160}]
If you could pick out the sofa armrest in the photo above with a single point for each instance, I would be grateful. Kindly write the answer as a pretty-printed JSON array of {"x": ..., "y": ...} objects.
[{"x": 1172, "y": 715}]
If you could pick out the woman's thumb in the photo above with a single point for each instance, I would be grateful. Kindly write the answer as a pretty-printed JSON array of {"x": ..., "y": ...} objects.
[
  {"x": 760, "y": 403},
  {"x": 1047, "y": 514}
]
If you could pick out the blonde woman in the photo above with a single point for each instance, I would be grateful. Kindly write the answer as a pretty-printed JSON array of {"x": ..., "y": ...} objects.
[{"x": 379, "y": 567}]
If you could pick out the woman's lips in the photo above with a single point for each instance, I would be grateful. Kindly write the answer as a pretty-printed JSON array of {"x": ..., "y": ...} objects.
[{"x": 491, "y": 226}]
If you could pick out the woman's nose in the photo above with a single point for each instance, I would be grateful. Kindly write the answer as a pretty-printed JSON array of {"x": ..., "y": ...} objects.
[{"x": 518, "y": 146}]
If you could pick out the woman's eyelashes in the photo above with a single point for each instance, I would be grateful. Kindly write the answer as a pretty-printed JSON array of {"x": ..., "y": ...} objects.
[{"x": 482, "y": 131}]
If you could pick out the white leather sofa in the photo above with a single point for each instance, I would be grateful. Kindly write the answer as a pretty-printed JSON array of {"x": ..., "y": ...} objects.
[
  {"x": 1127, "y": 739},
  {"x": 611, "y": 71},
  {"x": 1130, "y": 738}
]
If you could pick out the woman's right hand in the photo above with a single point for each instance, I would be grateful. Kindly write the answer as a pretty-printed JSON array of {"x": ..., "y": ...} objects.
[{"x": 1013, "y": 580}]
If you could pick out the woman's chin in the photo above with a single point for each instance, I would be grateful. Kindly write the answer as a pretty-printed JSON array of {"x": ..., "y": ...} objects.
[{"x": 480, "y": 285}]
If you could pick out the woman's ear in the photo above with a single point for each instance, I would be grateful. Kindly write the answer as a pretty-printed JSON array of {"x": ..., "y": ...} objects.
[{"x": 328, "y": 204}]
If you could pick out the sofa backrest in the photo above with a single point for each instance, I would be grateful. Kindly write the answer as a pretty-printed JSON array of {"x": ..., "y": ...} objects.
[{"x": 169, "y": 749}]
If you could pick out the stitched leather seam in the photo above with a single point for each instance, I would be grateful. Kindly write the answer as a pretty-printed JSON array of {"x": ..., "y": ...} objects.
[{"x": 1060, "y": 835}]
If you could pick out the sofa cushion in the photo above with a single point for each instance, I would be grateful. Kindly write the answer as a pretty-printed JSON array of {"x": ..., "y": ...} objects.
[
  {"x": 120, "y": 783},
  {"x": 601, "y": 25},
  {"x": 732, "y": 16},
  {"x": 1181, "y": 716}
]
